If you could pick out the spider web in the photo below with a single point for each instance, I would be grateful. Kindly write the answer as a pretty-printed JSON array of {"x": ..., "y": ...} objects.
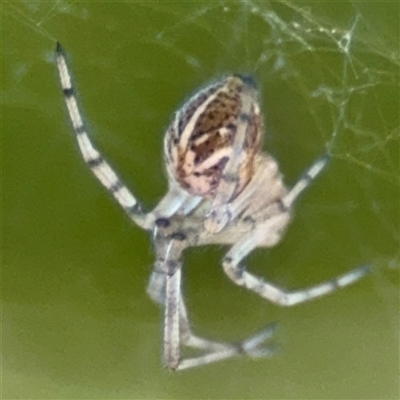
[
  {"x": 293, "y": 32},
  {"x": 329, "y": 77},
  {"x": 343, "y": 76},
  {"x": 354, "y": 106}
]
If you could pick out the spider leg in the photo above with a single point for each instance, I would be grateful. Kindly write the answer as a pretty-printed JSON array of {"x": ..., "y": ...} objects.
[
  {"x": 267, "y": 175},
  {"x": 190, "y": 204},
  {"x": 268, "y": 235},
  {"x": 316, "y": 168},
  {"x": 176, "y": 200},
  {"x": 219, "y": 351},
  {"x": 189, "y": 339},
  {"x": 103, "y": 171},
  {"x": 98, "y": 165},
  {"x": 174, "y": 332},
  {"x": 157, "y": 291},
  {"x": 164, "y": 288},
  {"x": 171, "y": 318}
]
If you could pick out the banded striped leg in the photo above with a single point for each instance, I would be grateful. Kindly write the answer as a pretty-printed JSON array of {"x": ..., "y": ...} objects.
[
  {"x": 316, "y": 168},
  {"x": 157, "y": 291},
  {"x": 165, "y": 289},
  {"x": 253, "y": 347},
  {"x": 219, "y": 215},
  {"x": 249, "y": 202},
  {"x": 279, "y": 295},
  {"x": 102, "y": 170},
  {"x": 267, "y": 175},
  {"x": 171, "y": 319},
  {"x": 98, "y": 165},
  {"x": 268, "y": 235},
  {"x": 177, "y": 330}
]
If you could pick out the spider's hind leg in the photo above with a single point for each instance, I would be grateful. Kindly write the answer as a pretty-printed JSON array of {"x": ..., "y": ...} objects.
[
  {"x": 267, "y": 235},
  {"x": 253, "y": 347},
  {"x": 164, "y": 288}
]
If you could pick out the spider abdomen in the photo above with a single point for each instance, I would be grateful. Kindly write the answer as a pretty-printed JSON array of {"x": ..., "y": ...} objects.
[{"x": 201, "y": 138}]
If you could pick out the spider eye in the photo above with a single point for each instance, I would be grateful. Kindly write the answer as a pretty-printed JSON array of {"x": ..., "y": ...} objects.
[{"x": 204, "y": 136}]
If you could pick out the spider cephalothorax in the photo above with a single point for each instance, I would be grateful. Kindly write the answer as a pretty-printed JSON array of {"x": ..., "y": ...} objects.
[{"x": 222, "y": 190}]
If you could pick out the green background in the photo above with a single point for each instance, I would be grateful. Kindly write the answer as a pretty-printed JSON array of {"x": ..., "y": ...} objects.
[{"x": 76, "y": 319}]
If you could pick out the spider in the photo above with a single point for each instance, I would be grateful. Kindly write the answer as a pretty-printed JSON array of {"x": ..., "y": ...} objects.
[{"x": 222, "y": 190}]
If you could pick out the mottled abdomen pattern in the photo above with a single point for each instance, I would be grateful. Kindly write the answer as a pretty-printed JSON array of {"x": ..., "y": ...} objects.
[{"x": 201, "y": 138}]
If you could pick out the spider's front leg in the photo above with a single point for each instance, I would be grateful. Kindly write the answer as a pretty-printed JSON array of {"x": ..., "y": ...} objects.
[
  {"x": 93, "y": 159},
  {"x": 176, "y": 196}
]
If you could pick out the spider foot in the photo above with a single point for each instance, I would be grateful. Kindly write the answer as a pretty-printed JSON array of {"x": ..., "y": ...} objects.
[{"x": 255, "y": 346}]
